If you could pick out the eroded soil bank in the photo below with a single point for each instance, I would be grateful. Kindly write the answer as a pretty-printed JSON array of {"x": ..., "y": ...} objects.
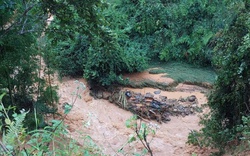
[{"x": 105, "y": 121}]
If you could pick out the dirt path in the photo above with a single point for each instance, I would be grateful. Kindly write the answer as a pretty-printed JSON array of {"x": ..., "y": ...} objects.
[{"x": 105, "y": 122}]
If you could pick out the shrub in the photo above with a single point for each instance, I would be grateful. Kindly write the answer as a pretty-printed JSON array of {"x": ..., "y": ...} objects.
[{"x": 71, "y": 56}]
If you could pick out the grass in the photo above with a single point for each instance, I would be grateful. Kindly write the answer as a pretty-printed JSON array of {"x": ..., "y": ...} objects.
[{"x": 183, "y": 72}]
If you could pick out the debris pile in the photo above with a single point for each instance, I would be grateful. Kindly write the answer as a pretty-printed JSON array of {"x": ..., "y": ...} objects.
[{"x": 153, "y": 106}]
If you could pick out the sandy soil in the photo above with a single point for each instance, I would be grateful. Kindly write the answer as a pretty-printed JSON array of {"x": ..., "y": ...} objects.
[{"x": 105, "y": 122}]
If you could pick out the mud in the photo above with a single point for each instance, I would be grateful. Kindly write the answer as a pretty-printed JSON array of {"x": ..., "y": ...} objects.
[{"x": 104, "y": 122}]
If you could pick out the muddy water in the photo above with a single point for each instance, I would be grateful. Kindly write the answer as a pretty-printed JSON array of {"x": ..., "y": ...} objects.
[
  {"x": 105, "y": 123},
  {"x": 146, "y": 76}
]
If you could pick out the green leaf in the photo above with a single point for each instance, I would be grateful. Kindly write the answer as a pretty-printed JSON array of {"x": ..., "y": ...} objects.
[
  {"x": 67, "y": 108},
  {"x": 14, "y": 115},
  {"x": 194, "y": 154},
  {"x": 128, "y": 123},
  {"x": 153, "y": 132},
  {"x": 143, "y": 126},
  {"x": 131, "y": 138},
  {"x": 86, "y": 153},
  {"x": 40, "y": 153},
  {"x": 144, "y": 151},
  {"x": 7, "y": 121},
  {"x": 1, "y": 96},
  {"x": 24, "y": 153}
]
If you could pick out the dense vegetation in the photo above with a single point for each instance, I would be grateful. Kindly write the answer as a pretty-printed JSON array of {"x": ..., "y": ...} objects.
[
  {"x": 22, "y": 24},
  {"x": 100, "y": 40},
  {"x": 230, "y": 100}
]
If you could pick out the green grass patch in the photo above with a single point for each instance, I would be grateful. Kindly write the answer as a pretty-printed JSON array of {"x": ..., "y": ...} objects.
[{"x": 183, "y": 72}]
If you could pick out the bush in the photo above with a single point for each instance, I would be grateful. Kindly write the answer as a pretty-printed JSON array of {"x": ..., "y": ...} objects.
[{"x": 71, "y": 56}]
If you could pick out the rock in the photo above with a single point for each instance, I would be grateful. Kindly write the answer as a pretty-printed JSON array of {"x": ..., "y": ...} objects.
[
  {"x": 165, "y": 116},
  {"x": 155, "y": 104},
  {"x": 171, "y": 101},
  {"x": 106, "y": 95},
  {"x": 91, "y": 93},
  {"x": 128, "y": 94},
  {"x": 133, "y": 100},
  {"x": 192, "y": 98},
  {"x": 187, "y": 111},
  {"x": 149, "y": 95},
  {"x": 99, "y": 95},
  {"x": 194, "y": 105},
  {"x": 165, "y": 107},
  {"x": 87, "y": 98},
  {"x": 111, "y": 99},
  {"x": 115, "y": 97},
  {"x": 157, "y": 92},
  {"x": 148, "y": 100},
  {"x": 96, "y": 94},
  {"x": 163, "y": 98},
  {"x": 180, "y": 108},
  {"x": 139, "y": 98},
  {"x": 181, "y": 99}
]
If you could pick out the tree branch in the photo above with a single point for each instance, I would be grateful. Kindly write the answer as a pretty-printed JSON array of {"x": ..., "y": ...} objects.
[
  {"x": 24, "y": 23},
  {"x": 24, "y": 14},
  {"x": 27, "y": 31}
]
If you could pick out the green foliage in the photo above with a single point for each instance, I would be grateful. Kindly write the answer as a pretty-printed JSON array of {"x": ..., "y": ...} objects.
[
  {"x": 230, "y": 99},
  {"x": 143, "y": 132},
  {"x": 129, "y": 33},
  {"x": 190, "y": 29},
  {"x": 15, "y": 132},
  {"x": 137, "y": 21},
  {"x": 244, "y": 129},
  {"x": 178, "y": 30},
  {"x": 213, "y": 135},
  {"x": 71, "y": 56},
  {"x": 194, "y": 138},
  {"x": 22, "y": 23},
  {"x": 98, "y": 55},
  {"x": 104, "y": 59}
]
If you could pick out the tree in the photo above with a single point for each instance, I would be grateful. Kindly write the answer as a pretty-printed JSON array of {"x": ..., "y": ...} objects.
[
  {"x": 22, "y": 25},
  {"x": 95, "y": 48},
  {"x": 230, "y": 100}
]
